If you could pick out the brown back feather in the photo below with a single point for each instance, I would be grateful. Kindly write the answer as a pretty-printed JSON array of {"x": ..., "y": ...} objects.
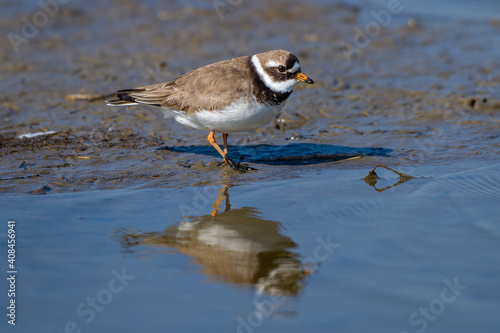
[{"x": 211, "y": 87}]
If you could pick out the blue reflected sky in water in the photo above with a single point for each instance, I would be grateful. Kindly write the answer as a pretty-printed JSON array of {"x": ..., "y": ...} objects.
[
  {"x": 395, "y": 250},
  {"x": 462, "y": 9}
]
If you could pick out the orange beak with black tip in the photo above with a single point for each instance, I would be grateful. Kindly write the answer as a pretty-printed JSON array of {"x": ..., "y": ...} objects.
[{"x": 303, "y": 78}]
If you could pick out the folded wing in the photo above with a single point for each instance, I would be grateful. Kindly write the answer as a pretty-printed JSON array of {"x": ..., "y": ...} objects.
[{"x": 211, "y": 87}]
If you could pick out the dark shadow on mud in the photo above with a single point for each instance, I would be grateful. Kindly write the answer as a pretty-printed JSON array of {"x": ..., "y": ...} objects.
[{"x": 291, "y": 154}]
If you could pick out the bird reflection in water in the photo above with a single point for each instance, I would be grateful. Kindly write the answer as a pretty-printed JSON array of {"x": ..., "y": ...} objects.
[{"x": 233, "y": 246}]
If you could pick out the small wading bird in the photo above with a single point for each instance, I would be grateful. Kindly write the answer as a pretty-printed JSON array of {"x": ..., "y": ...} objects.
[{"x": 230, "y": 96}]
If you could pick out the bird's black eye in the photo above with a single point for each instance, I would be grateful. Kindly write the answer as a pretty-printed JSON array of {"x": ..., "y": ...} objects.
[{"x": 281, "y": 69}]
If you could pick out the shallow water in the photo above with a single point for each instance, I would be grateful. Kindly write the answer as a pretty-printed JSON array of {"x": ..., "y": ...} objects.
[
  {"x": 127, "y": 222},
  {"x": 319, "y": 253}
]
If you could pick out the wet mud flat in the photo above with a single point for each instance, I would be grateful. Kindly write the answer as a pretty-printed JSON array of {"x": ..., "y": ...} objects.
[{"x": 423, "y": 89}]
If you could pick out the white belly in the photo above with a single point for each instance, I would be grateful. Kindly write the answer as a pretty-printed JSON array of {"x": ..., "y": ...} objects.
[{"x": 240, "y": 116}]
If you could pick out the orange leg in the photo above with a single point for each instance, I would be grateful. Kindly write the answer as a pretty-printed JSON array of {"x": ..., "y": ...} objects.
[
  {"x": 227, "y": 159},
  {"x": 223, "y": 194},
  {"x": 211, "y": 139},
  {"x": 216, "y": 205},
  {"x": 224, "y": 137}
]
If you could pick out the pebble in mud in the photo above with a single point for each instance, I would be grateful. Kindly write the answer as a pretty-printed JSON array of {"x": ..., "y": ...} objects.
[
  {"x": 412, "y": 22},
  {"x": 42, "y": 190}
]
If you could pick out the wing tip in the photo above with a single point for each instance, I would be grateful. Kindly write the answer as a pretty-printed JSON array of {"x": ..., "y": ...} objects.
[
  {"x": 133, "y": 97},
  {"x": 119, "y": 102},
  {"x": 123, "y": 98}
]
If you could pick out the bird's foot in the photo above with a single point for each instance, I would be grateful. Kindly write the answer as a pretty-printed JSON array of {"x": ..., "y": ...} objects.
[{"x": 237, "y": 166}]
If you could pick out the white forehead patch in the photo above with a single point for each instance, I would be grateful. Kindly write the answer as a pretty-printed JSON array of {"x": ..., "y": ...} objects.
[
  {"x": 272, "y": 63},
  {"x": 295, "y": 67},
  {"x": 283, "y": 86}
]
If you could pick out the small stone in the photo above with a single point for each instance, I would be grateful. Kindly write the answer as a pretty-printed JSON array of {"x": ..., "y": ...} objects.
[
  {"x": 42, "y": 190},
  {"x": 412, "y": 22}
]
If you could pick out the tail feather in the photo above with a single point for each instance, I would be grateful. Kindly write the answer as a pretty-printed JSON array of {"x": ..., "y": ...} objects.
[
  {"x": 119, "y": 102},
  {"x": 131, "y": 97}
]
